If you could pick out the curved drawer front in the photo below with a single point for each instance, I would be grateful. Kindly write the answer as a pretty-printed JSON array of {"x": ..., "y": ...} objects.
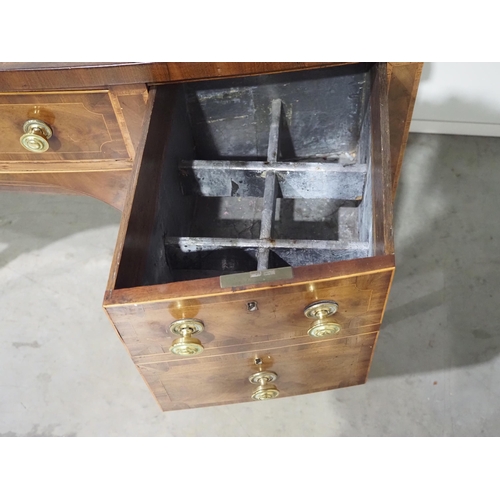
[
  {"x": 223, "y": 379},
  {"x": 256, "y": 315},
  {"x": 84, "y": 126}
]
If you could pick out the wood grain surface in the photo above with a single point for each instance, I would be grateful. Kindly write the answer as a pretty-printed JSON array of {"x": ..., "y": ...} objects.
[
  {"x": 223, "y": 379},
  {"x": 84, "y": 127},
  {"x": 403, "y": 87},
  {"x": 383, "y": 240},
  {"x": 109, "y": 186},
  {"x": 135, "y": 232},
  {"x": 129, "y": 104},
  {"x": 105, "y": 179},
  {"x": 144, "y": 327},
  {"x": 17, "y": 77}
]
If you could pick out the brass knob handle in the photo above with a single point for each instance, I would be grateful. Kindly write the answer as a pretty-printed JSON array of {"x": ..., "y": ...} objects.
[
  {"x": 36, "y": 135},
  {"x": 319, "y": 311},
  {"x": 186, "y": 345},
  {"x": 266, "y": 390}
]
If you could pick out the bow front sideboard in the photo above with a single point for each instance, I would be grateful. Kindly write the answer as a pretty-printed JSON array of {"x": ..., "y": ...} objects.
[{"x": 255, "y": 253}]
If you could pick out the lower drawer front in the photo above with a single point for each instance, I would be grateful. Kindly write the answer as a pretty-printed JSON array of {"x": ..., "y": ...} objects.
[{"x": 224, "y": 379}]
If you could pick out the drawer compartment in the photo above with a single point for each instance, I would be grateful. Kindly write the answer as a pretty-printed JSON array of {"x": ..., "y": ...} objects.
[
  {"x": 261, "y": 173},
  {"x": 83, "y": 126},
  {"x": 272, "y": 190},
  {"x": 224, "y": 379}
]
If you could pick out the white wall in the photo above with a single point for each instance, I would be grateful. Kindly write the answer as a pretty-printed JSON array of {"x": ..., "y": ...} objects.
[{"x": 458, "y": 98}]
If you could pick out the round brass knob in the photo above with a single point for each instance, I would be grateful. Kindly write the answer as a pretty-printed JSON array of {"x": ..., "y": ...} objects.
[
  {"x": 36, "y": 135},
  {"x": 266, "y": 390},
  {"x": 186, "y": 345},
  {"x": 319, "y": 311}
]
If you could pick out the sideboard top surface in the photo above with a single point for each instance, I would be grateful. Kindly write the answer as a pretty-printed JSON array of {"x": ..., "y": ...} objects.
[{"x": 29, "y": 76}]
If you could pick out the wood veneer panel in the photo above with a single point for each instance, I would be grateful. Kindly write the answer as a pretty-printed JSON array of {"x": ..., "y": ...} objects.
[
  {"x": 382, "y": 182},
  {"x": 182, "y": 71},
  {"x": 58, "y": 76},
  {"x": 53, "y": 76},
  {"x": 144, "y": 326},
  {"x": 223, "y": 379},
  {"x": 84, "y": 127},
  {"x": 142, "y": 195},
  {"x": 403, "y": 87},
  {"x": 129, "y": 102},
  {"x": 108, "y": 186}
]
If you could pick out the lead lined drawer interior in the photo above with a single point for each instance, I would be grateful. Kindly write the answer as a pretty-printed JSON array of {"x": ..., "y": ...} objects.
[{"x": 263, "y": 172}]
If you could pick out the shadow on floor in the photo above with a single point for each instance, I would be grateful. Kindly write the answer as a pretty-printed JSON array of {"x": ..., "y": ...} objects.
[
  {"x": 444, "y": 307},
  {"x": 30, "y": 221}
]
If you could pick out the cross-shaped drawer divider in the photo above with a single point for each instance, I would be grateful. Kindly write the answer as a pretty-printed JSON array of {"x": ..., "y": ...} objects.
[{"x": 270, "y": 180}]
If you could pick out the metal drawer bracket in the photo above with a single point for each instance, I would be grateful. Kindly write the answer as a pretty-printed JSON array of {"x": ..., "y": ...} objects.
[{"x": 253, "y": 277}]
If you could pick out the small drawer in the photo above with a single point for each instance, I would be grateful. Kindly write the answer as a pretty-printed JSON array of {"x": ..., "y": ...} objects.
[
  {"x": 64, "y": 127},
  {"x": 224, "y": 379},
  {"x": 272, "y": 190}
]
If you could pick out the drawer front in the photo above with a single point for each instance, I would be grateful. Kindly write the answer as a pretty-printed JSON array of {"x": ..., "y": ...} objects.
[
  {"x": 256, "y": 315},
  {"x": 224, "y": 379},
  {"x": 84, "y": 126}
]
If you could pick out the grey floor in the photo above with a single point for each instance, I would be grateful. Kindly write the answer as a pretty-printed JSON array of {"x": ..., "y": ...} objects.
[{"x": 436, "y": 370}]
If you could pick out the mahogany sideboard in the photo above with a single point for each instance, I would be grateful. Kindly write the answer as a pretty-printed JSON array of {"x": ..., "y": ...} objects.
[{"x": 255, "y": 253}]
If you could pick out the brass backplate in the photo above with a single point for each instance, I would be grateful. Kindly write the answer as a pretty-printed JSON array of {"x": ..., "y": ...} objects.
[
  {"x": 253, "y": 277},
  {"x": 267, "y": 391},
  {"x": 321, "y": 309}
]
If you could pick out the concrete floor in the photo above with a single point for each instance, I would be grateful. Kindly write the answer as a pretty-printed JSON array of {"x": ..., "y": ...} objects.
[{"x": 436, "y": 369}]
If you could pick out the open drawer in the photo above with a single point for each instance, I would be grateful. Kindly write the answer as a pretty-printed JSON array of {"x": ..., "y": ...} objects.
[{"x": 260, "y": 210}]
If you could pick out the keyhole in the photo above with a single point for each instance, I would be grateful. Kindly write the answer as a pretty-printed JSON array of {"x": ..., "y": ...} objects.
[{"x": 252, "y": 306}]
